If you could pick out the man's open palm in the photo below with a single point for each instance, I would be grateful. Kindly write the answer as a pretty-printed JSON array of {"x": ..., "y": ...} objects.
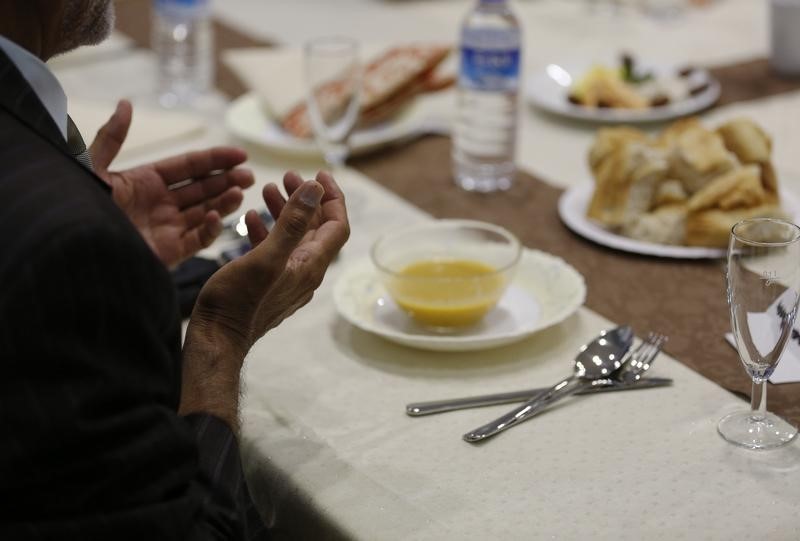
[{"x": 177, "y": 204}]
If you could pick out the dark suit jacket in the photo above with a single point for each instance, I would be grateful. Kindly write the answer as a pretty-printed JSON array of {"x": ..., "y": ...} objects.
[{"x": 91, "y": 446}]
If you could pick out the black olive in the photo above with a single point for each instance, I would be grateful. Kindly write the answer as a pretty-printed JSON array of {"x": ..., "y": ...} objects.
[
  {"x": 572, "y": 98},
  {"x": 659, "y": 101}
]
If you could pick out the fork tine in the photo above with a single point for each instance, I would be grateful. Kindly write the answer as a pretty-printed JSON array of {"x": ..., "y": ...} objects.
[
  {"x": 631, "y": 355},
  {"x": 647, "y": 352},
  {"x": 647, "y": 344},
  {"x": 655, "y": 349}
]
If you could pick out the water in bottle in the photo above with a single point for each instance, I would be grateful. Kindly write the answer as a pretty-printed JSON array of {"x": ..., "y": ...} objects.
[
  {"x": 485, "y": 133},
  {"x": 182, "y": 40}
]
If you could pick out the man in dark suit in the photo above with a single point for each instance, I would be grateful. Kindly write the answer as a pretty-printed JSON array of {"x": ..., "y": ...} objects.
[{"x": 110, "y": 429}]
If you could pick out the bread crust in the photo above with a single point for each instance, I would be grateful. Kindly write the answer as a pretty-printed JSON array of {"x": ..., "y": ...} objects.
[{"x": 712, "y": 227}]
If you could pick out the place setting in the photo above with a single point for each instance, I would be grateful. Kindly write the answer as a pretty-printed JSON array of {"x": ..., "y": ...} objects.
[{"x": 462, "y": 285}]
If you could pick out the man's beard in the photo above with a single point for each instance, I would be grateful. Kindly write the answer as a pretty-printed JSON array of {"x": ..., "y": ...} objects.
[{"x": 85, "y": 22}]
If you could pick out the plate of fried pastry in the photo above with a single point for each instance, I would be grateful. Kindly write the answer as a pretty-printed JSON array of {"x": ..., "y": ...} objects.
[{"x": 679, "y": 193}]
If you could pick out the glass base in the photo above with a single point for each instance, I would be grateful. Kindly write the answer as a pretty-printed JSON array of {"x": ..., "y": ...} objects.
[
  {"x": 748, "y": 429},
  {"x": 484, "y": 178}
]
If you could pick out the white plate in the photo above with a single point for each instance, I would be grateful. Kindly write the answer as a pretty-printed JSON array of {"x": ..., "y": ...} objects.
[
  {"x": 545, "y": 291},
  {"x": 572, "y": 208},
  {"x": 246, "y": 119},
  {"x": 544, "y": 92}
]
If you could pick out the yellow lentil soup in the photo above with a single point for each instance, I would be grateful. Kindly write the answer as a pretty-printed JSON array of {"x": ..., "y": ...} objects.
[{"x": 447, "y": 292}]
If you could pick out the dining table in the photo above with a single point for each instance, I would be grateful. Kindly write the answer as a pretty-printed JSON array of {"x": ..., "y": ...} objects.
[{"x": 326, "y": 444}]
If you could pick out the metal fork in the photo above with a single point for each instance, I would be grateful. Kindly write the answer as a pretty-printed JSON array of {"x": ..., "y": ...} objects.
[
  {"x": 629, "y": 376},
  {"x": 642, "y": 358}
]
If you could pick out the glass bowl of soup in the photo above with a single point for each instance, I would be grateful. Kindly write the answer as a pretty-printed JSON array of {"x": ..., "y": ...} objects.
[{"x": 447, "y": 274}]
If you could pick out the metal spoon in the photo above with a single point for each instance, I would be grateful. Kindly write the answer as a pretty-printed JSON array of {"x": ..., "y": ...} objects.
[{"x": 598, "y": 359}]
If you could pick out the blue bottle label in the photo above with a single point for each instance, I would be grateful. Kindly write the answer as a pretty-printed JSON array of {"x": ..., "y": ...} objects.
[
  {"x": 490, "y": 69},
  {"x": 183, "y": 8},
  {"x": 184, "y": 3}
]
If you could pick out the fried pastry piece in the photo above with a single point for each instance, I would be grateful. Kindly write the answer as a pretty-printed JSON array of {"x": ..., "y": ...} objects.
[
  {"x": 670, "y": 192},
  {"x": 747, "y": 140},
  {"x": 626, "y": 182},
  {"x": 698, "y": 156},
  {"x": 712, "y": 227},
  {"x": 664, "y": 225},
  {"x": 769, "y": 179},
  {"x": 740, "y": 187},
  {"x": 670, "y": 135},
  {"x": 610, "y": 140}
]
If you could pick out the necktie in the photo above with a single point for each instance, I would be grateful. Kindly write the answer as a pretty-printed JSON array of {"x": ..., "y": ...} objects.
[{"x": 76, "y": 145}]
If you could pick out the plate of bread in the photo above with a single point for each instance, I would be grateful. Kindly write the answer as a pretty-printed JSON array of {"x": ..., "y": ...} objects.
[
  {"x": 622, "y": 91},
  {"x": 396, "y": 81},
  {"x": 676, "y": 194}
]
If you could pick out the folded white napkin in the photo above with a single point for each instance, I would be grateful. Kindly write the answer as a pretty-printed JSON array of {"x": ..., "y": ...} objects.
[
  {"x": 151, "y": 128},
  {"x": 276, "y": 76},
  {"x": 763, "y": 328}
]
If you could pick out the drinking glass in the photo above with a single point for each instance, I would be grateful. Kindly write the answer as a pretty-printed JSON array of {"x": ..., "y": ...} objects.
[
  {"x": 763, "y": 291},
  {"x": 333, "y": 81}
]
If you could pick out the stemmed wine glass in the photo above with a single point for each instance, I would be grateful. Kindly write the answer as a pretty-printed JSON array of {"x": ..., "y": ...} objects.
[
  {"x": 333, "y": 80},
  {"x": 763, "y": 292}
]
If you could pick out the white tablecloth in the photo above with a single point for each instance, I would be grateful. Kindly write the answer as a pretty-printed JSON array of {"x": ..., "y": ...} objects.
[{"x": 325, "y": 429}]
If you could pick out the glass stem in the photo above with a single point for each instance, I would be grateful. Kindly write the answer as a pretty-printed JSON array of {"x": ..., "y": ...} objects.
[
  {"x": 758, "y": 401},
  {"x": 336, "y": 155}
]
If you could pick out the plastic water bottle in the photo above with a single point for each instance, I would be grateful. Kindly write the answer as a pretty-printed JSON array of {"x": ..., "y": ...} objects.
[
  {"x": 182, "y": 40},
  {"x": 485, "y": 134}
]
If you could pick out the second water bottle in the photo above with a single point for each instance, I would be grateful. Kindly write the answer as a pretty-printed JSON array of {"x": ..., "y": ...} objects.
[{"x": 485, "y": 133}]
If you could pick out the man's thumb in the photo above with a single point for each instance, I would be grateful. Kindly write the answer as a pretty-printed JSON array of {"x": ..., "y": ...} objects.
[
  {"x": 296, "y": 216},
  {"x": 111, "y": 136}
]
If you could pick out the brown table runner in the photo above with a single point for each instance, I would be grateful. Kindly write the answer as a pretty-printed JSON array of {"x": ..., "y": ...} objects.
[
  {"x": 684, "y": 299},
  {"x": 751, "y": 80}
]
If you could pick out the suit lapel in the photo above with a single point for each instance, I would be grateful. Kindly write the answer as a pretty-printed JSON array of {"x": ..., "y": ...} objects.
[{"x": 17, "y": 96}]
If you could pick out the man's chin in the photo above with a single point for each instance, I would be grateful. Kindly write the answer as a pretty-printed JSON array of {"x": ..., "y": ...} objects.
[
  {"x": 88, "y": 26},
  {"x": 104, "y": 29}
]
